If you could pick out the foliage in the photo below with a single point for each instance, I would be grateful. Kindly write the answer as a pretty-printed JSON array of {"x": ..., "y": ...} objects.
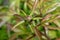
[{"x": 29, "y": 19}]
